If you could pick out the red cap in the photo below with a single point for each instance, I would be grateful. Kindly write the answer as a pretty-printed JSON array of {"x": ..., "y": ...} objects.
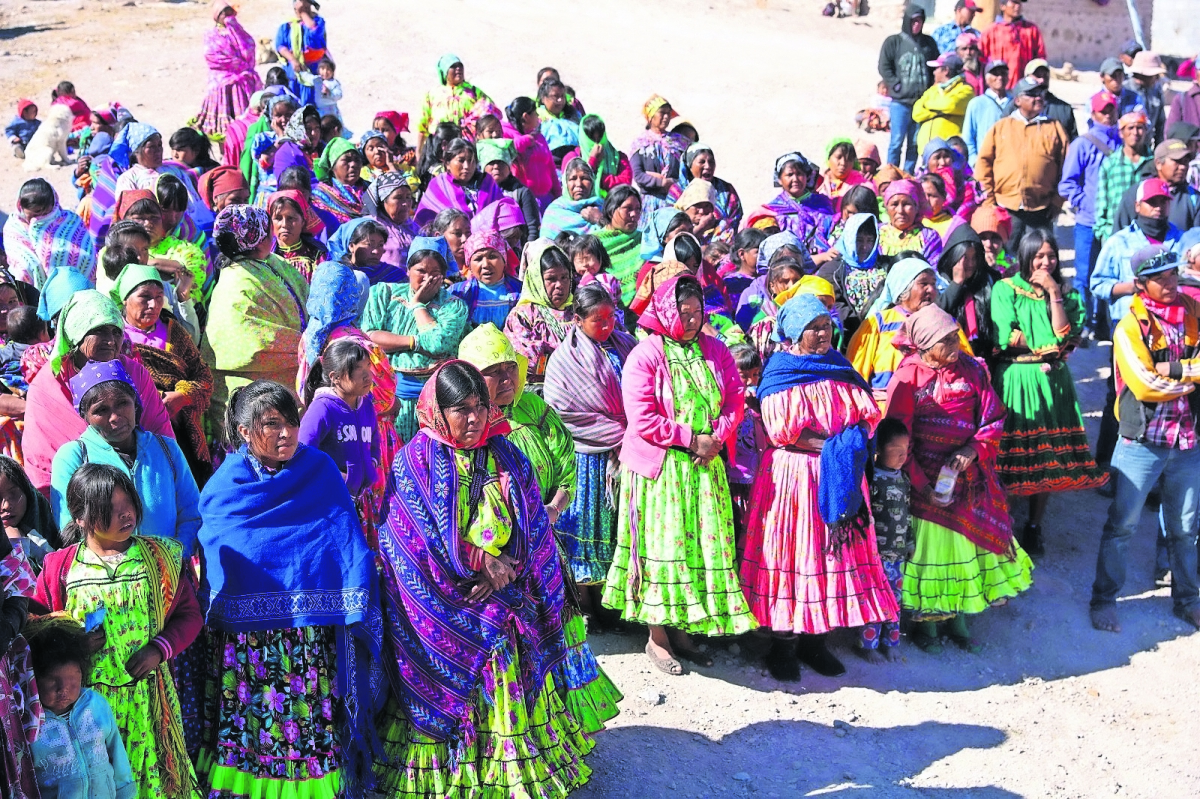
[
  {"x": 1152, "y": 187},
  {"x": 1102, "y": 100}
]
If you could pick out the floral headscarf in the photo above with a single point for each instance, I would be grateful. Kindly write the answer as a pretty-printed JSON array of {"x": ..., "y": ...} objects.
[
  {"x": 95, "y": 373},
  {"x": 533, "y": 287},
  {"x": 294, "y": 130},
  {"x": 312, "y": 223},
  {"x": 486, "y": 346},
  {"x": 773, "y": 244},
  {"x": 382, "y": 187},
  {"x": 489, "y": 241},
  {"x": 432, "y": 419},
  {"x": 247, "y": 224},
  {"x": 335, "y": 299},
  {"x": 651, "y": 106},
  {"x": 662, "y": 314},
  {"x": 86, "y": 311}
]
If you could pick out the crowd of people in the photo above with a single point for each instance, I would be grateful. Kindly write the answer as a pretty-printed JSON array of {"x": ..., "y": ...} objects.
[{"x": 323, "y": 454}]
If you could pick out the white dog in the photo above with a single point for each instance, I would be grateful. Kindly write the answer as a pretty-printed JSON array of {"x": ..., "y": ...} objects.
[{"x": 50, "y": 139}]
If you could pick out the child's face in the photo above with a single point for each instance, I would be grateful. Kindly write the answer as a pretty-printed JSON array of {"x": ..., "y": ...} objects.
[
  {"x": 30, "y": 113},
  {"x": 586, "y": 264},
  {"x": 894, "y": 453},
  {"x": 121, "y": 526},
  {"x": 325, "y": 71},
  {"x": 358, "y": 383},
  {"x": 751, "y": 377},
  {"x": 13, "y": 503},
  {"x": 60, "y": 687},
  {"x": 992, "y": 245}
]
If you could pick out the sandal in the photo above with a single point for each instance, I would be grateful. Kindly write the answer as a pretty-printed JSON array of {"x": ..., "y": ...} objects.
[{"x": 665, "y": 665}]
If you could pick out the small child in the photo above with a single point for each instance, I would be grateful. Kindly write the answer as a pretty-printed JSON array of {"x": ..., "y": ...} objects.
[
  {"x": 877, "y": 116},
  {"x": 147, "y": 615},
  {"x": 28, "y": 519},
  {"x": 751, "y": 441},
  {"x": 327, "y": 89},
  {"x": 22, "y": 127},
  {"x": 24, "y": 330},
  {"x": 79, "y": 753},
  {"x": 20, "y": 707},
  {"x": 592, "y": 264},
  {"x": 889, "y": 507},
  {"x": 64, "y": 94}
]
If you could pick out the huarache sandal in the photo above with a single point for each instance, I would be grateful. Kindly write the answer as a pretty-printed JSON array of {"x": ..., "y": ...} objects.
[{"x": 665, "y": 665}]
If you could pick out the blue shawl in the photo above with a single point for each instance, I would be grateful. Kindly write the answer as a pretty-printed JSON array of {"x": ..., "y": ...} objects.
[
  {"x": 441, "y": 641},
  {"x": 844, "y": 456},
  {"x": 279, "y": 555},
  {"x": 565, "y": 214}
]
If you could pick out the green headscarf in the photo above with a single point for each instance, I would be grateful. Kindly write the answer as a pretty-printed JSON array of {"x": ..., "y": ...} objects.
[
  {"x": 533, "y": 287},
  {"x": 333, "y": 151},
  {"x": 444, "y": 64},
  {"x": 832, "y": 145},
  {"x": 83, "y": 313},
  {"x": 489, "y": 150},
  {"x": 610, "y": 161},
  {"x": 132, "y": 276}
]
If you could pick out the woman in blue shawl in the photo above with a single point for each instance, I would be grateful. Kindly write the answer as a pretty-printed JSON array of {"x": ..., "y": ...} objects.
[
  {"x": 579, "y": 210},
  {"x": 811, "y": 563},
  {"x": 858, "y": 271},
  {"x": 293, "y": 604},
  {"x": 474, "y": 602}
]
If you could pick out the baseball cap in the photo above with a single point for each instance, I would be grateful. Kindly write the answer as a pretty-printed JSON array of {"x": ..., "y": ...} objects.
[
  {"x": 1131, "y": 48},
  {"x": 995, "y": 64},
  {"x": 1111, "y": 66},
  {"x": 951, "y": 61},
  {"x": 1102, "y": 100},
  {"x": 1152, "y": 259},
  {"x": 1150, "y": 188},
  {"x": 967, "y": 4},
  {"x": 1027, "y": 86},
  {"x": 1147, "y": 63},
  {"x": 1035, "y": 65},
  {"x": 1172, "y": 149},
  {"x": 965, "y": 39}
]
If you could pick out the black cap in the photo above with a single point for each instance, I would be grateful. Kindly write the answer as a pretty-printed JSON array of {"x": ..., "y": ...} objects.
[{"x": 1027, "y": 86}]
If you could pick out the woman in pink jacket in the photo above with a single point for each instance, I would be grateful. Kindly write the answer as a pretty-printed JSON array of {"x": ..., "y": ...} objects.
[
  {"x": 674, "y": 563},
  {"x": 535, "y": 163}
]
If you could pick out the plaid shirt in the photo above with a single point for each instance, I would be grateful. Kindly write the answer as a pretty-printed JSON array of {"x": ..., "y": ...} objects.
[
  {"x": 1117, "y": 173},
  {"x": 1173, "y": 424}
]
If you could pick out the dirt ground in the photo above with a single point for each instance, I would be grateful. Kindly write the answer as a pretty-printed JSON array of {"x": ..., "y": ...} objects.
[{"x": 1050, "y": 708}]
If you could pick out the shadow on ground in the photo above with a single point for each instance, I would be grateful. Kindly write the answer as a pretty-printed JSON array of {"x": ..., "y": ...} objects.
[
  {"x": 782, "y": 758},
  {"x": 7, "y": 34}
]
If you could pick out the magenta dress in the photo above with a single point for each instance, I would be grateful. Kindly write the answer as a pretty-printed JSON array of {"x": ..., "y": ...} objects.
[
  {"x": 229, "y": 54},
  {"x": 794, "y": 583}
]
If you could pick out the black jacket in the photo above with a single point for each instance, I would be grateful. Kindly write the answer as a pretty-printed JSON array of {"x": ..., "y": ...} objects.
[
  {"x": 953, "y": 299},
  {"x": 1185, "y": 207},
  {"x": 903, "y": 60}
]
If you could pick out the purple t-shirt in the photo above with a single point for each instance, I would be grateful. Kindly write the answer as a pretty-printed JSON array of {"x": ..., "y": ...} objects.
[{"x": 348, "y": 435}]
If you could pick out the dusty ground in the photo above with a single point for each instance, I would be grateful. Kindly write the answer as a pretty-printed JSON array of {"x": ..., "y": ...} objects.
[{"x": 1051, "y": 708}]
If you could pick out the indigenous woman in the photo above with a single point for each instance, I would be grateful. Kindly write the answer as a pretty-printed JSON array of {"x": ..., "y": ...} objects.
[
  {"x": 90, "y": 329},
  {"x": 578, "y": 210},
  {"x": 857, "y": 273},
  {"x": 537, "y": 430},
  {"x": 905, "y": 229},
  {"x": 966, "y": 558},
  {"x": 257, "y": 309},
  {"x": 673, "y": 568},
  {"x": 140, "y": 147},
  {"x": 799, "y": 209},
  {"x": 463, "y": 186},
  {"x": 841, "y": 173},
  {"x": 229, "y": 54},
  {"x": 811, "y": 565},
  {"x": 338, "y": 196},
  {"x": 278, "y": 110},
  {"x": 418, "y": 324},
  {"x": 30, "y": 514},
  {"x": 379, "y": 157},
  {"x": 392, "y": 198},
  {"x": 186, "y": 262},
  {"x": 41, "y": 236},
  {"x": 452, "y": 102},
  {"x": 166, "y": 349},
  {"x": 336, "y": 299},
  {"x": 455, "y": 227},
  {"x": 295, "y": 227},
  {"x": 543, "y": 315},
  {"x": 301, "y": 43},
  {"x": 699, "y": 163},
  {"x": 290, "y": 692},
  {"x": 468, "y": 553},
  {"x": 610, "y": 165},
  {"x": 763, "y": 334},
  {"x": 491, "y": 291},
  {"x": 360, "y": 243},
  {"x": 757, "y": 298},
  {"x": 583, "y": 384},
  {"x": 1038, "y": 320},
  {"x": 621, "y": 238},
  {"x": 967, "y": 285},
  {"x": 655, "y": 156}
]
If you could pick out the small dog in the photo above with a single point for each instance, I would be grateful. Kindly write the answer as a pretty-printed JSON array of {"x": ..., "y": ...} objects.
[
  {"x": 1066, "y": 73},
  {"x": 266, "y": 52},
  {"x": 50, "y": 139}
]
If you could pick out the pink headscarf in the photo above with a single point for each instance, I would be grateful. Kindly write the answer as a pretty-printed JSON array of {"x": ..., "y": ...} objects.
[
  {"x": 924, "y": 328},
  {"x": 398, "y": 120},
  {"x": 489, "y": 241},
  {"x": 503, "y": 214},
  {"x": 662, "y": 314}
]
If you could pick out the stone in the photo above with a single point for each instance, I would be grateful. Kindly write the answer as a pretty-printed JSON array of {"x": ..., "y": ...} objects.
[
  {"x": 651, "y": 696},
  {"x": 742, "y": 776}
]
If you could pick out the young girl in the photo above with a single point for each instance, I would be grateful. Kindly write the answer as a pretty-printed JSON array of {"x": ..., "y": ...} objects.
[
  {"x": 78, "y": 753},
  {"x": 938, "y": 216},
  {"x": 340, "y": 420},
  {"x": 890, "y": 488},
  {"x": 742, "y": 267},
  {"x": 20, "y": 708},
  {"x": 26, "y": 515},
  {"x": 128, "y": 587},
  {"x": 592, "y": 263}
]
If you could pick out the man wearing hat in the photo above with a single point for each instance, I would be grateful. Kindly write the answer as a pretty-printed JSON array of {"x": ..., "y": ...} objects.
[
  {"x": 1144, "y": 73},
  {"x": 943, "y": 107},
  {"x": 902, "y": 65},
  {"x": 1081, "y": 174},
  {"x": 1021, "y": 161},
  {"x": 1190, "y": 135},
  {"x": 1171, "y": 161},
  {"x": 947, "y": 35},
  {"x": 1123, "y": 168},
  {"x": 1038, "y": 71},
  {"x": 1156, "y": 352},
  {"x": 1186, "y": 105},
  {"x": 987, "y": 108},
  {"x": 1112, "y": 76},
  {"x": 1014, "y": 40}
]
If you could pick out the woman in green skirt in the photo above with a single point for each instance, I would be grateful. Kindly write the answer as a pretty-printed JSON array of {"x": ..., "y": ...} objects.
[
  {"x": 673, "y": 568},
  {"x": 1044, "y": 448}
]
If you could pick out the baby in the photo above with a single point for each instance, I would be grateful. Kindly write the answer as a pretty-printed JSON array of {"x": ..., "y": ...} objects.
[
  {"x": 877, "y": 116},
  {"x": 22, "y": 127},
  {"x": 328, "y": 89},
  {"x": 24, "y": 330},
  {"x": 890, "y": 490}
]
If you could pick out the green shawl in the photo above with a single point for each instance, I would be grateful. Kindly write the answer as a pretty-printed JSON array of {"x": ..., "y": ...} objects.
[
  {"x": 610, "y": 161},
  {"x": 624, "y": 251}
]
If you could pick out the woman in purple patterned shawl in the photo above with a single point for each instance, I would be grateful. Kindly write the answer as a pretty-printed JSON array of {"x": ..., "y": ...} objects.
[
  {"x": 474, "y": 600},
  {"x": 655, "y": 157},
  {"x": 799, "y": 209},
  {"x": 463, "y": 186},
  {"x": 229, "y": 54}
]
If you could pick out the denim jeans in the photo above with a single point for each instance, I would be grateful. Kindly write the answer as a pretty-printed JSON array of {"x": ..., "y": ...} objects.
[
  {"x": 904, "y": 133},
  {"x": 1086, "y": 252},
  {"x": 1137, "y": 467}
]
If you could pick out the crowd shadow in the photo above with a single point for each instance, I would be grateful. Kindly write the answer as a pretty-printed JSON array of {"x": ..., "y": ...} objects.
[
  {"x": 17, "y": 31},
  {"x": 781, "y": 758}
]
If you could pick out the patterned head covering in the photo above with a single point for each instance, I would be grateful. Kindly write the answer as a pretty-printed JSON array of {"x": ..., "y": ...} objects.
[
  {"x": 129, "y": 140},
  {"x": 294, "y": 130},
  {"x": 489, "y": 150},
  {"x": 924, "y": 328},
  {"x": 261, "y": 143},
  {"x": 130, "y": 198},
  {"x": 533, "y": 287},
  {"x": 247, "y": 224},
  {"x": 434, "y": 244},
  {"x": 902, "y": 275},
  {"x": 489, "y": 241},
  {"x": 132, "y": 276},
  {"x": 656, "y": 231},
  {"x": 382, "y": 187},
  {"x": 218, "y": 181},
  {"x": 335, "y": 299},
  {"x": 97, "y": 372},
  {"x": 797, "y": 314},
  {"x": 83, "y": 313},
  {"x": 284, "y": 96},
  {"x": 651, "y": 106},
  {"x": 367, "y": 135},
  {"x": 432, "y": 420},
  {"x": 773, "y": 244},
  {"x": 61, "y": 284},
  {"x": 486, "y": 346},
  {"x": 806, "y": 166},
  {"x": 443, "y": 65},
  {"x": 910, "y": 189},
  {"x": 333, "y": 151},
  {"x": 662, "y": 314},
  {"x": 312, "y": 223},
  {"x": 399, "y": 121},
  {"x": 698, "y": 191},
  {"x": 503, "y": 214},
  {"x": 693, "y": 152}
]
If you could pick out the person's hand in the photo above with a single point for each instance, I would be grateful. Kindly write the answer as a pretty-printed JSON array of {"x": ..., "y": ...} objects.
[
  {"x": 592, "y": 214},
  {"x": 143, "y": 661},
  {"x": 552, "y": 512},
  {"x": 595, "y": 153},
  {"x": 959, "y": 273},
  {"x": 184, "y": 283},
  {"x": 96, "y": 640},
  {"x": 497, "y": 571},
  {"x": 824, "y": 257},
  {"x": 962, "y": 458},
  {"x": 1163, "y": 369},
  {"x": 811, "y": 442},
  {"x": 705, "y": 448},
  {"x": 1045, "y": 281},
  {"x": 175, "y": 402},
  {"x": 81, "y": 166},
  {"x": 668, "y": 182}
]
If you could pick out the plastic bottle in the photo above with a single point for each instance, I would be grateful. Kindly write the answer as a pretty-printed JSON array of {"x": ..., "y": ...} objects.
[{"x": 943, "y": 490}]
